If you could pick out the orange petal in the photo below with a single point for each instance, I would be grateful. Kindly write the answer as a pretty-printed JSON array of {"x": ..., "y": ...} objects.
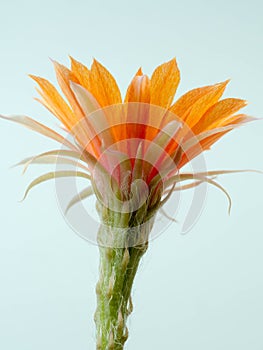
[
  {"x": 64, "y": 77},
  {"x": 54, "y": 102},
  {"x": 185, "y": 102},
  {"x": 195, "y": 113},
  {"x": 139, "y": 72},
  {"x": 237, "y": 119},
  {"x": 103, "y": 86},
  {"x": 219, "y": 113},
  {"x": 80, "y": 130},
  {"x": 81, "y": 72},
  {"x": 164, "y": 83},
  {"x": 139, "y": 90},
  {"x": 201, "y": 147},
  {"x": 44, "y": 102},
  {"x": 207, "y": 142}
]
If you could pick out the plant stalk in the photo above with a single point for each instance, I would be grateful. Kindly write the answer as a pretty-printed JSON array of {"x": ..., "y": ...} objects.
[{"x": 118, "y": 267}]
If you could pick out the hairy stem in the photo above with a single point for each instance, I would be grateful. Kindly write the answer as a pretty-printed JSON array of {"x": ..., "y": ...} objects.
[{"x": 118, "y": 267}]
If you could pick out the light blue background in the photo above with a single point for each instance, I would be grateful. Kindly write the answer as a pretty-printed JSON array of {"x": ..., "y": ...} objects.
[{"x": 199, "y": 291}]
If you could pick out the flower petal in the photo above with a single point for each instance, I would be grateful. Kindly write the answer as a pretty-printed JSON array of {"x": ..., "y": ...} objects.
[
  {"x": 195, "y": 140},
  {"x": 54, "y": 102},
  {"x": 39, "y": 128},
  {"x": 64, "y": 77},
  {"x": 81, "y": 72},
  {"x": 54, "y": 157},
  {"x": 103, "y": 86},
  {"x": 85, "y": 99},
  {"x": 54, "y": 175},
  {"x": 201, "y": 106},
  {"x": 218, "y": 113},
  {"x": 164, "y": 82},
  {"x": 199, "y": 177},
  {"x": 139, "y": 88},
  {"x": 199, "y": 143},
  {"x": 237, "y": 119},
  {"x": 87, "y": 192},
  {"x": 186, "y": 102}
]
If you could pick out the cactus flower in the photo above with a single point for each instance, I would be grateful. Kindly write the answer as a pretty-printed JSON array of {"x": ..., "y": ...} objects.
[{"x": 131, "y": 152}]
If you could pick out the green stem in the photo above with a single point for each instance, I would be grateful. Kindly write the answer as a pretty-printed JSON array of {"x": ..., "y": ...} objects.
[{"x": 118, "y": 267}]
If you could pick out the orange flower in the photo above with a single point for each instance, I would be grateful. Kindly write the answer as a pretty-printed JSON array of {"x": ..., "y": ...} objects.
[
  {"x": 200, "y": 108},
  {"x": 132, "y": 152},
  {"x": 146, "y": 124}
]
